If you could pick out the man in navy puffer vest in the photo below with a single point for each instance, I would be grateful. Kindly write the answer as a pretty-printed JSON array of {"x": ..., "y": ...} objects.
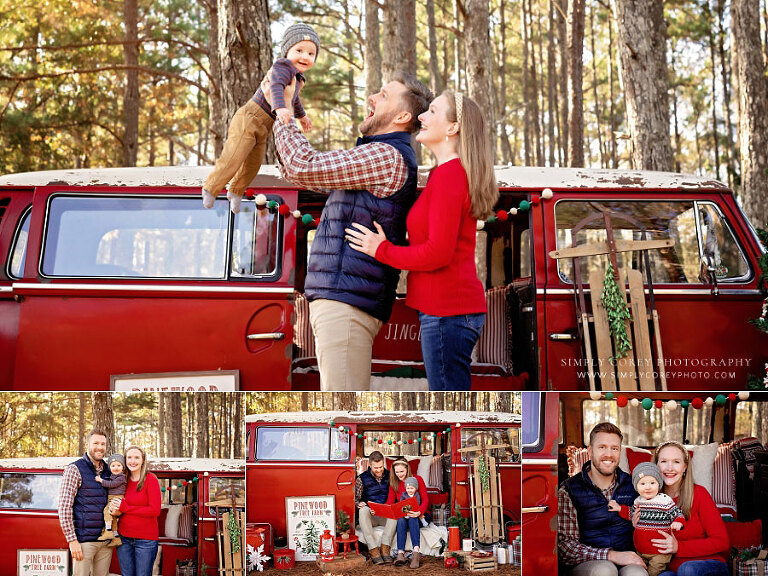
[
  {"x": 351, "y": 294},
  {"x": 591, "y": 539},
  {"x": 81, "y": 505},
  {"x": 373, "y": 486}
]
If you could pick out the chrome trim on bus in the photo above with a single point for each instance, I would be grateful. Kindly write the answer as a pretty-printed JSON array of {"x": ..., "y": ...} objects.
[
  {"x": 17, "y": 512},
  {"x": 534, "y": 509},
  {"x": 541, "y": 461},
  {"x": 229, "y": 289},
  {"x": 667, "y": 291},
  {"x": 7, "y": 289}
]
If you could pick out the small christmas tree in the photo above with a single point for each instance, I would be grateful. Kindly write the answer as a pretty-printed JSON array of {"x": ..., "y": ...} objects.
[{"x": 311, "y": 544}]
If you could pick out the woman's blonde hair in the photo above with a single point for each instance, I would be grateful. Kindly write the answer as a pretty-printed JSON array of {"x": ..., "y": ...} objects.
[
  {"x": 394, "y": 481},
  {"x": 685, "y": 500},
  {"x": 143, "y": 470},
  {"x": 475, "y": 154}
]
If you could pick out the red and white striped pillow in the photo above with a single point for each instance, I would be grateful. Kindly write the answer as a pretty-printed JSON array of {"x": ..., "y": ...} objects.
[
  {"x": 186, "y": 523},
  {"x": 303, "y": 336},
  {"x": 493, "y": 345},
  {"x": 576, "y": 458},
  {"x": 724, "y": 477}
]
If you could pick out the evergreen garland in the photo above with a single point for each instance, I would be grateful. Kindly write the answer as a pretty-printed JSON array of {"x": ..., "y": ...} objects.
[
  {"x": 618, "y": 313},
  {"x": 485, "y": 475},
  {"x": 234, "y": 532}
]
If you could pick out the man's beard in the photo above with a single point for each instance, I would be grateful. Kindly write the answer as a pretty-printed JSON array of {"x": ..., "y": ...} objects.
[
  {"x": 373, "y": 124},
  {"x": 596, "y": 468}
]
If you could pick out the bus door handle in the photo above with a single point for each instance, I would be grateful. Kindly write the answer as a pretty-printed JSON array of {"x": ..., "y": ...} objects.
[
  {"x": 527, "y": 309},
  {"x": 462, "y": 483},
  {"x": 210, "y": 539},
  {"x": 563, "y": 336},
  {"x": 534, "y": 509},
  {"x": 267, "y": 336},
  {"x": 344, "y": 483}
]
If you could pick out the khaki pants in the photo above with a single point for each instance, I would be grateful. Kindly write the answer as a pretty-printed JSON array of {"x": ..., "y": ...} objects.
[
  {"x": 656, "y": 563},
  {"x": 606, "y": 568},
  {"x": 96, "y": 560},
  {"x": 344, "y": 337},
  {"x": 108, "y": 518},
  {"x": 368, "y": 521},
  {"x": 243, "y": 151}
]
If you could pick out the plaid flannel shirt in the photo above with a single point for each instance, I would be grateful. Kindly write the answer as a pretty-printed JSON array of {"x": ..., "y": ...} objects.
[
  {"x": 376, "y": 167},
  {"x": 70, "y": 484},
  {"x": 570, "y": 548}
]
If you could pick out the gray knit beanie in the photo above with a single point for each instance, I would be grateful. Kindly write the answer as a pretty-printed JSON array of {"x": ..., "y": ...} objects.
[
  {"x": 411, "y": 481},
  {"x": 645, "y": 469},
  {"x": 116, "y": 458},
  {"x": 295, "y": 33}
]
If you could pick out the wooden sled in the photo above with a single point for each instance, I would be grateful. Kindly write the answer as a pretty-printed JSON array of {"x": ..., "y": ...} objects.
[
  {"x": 231, "y": 552},
  {"x": 486, "y": 506},
  {"x": 638, "y": 370}
]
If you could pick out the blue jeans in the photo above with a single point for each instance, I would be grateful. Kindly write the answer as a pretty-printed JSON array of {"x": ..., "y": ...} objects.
[
  {"x": 700, "y": 568},
  {"x": 446, "y": 344},
  {"x": 404, "y": 526},
  {"x": 136, "y": 556}
]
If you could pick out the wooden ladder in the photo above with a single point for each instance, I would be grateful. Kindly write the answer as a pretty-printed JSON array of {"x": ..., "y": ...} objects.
[{"x": 636, "y": 371}]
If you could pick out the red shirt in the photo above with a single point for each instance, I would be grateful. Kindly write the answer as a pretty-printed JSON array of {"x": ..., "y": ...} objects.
[
  {"x": 140, "y": 510},
  {"x": 441, "y": 255},
  {"x": 704, "y": 536},
  {"x": 423, "y": 495}
]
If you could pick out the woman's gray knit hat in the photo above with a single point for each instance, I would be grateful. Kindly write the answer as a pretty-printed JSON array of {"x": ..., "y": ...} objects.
[
  {"x": 295, "y": 33},
  {"x": 645, "y": 469}
]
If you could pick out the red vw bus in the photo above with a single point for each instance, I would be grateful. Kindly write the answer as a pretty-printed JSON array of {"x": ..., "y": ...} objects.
[
  {"x": 29, "y": 494},
  {"x": 302, "y": 454},
  {"x": 121, "y": 271}
]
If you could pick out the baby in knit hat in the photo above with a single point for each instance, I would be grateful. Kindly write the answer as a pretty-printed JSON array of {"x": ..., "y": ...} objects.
[
  {"x": 243, "y": 151},
  {"x": 657, "y": 512},
  {"x": 410, "y": 525},
  {"x": 115, "y": 486}
]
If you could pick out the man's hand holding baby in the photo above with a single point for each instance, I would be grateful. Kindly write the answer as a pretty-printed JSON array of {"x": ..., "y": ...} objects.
[{"x": 614, "y": 506}]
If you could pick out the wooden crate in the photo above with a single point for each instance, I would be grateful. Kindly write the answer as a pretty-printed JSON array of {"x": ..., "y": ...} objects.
[
  {"x": 340, "y": 564},
  {"x": 475, "y": 564}
]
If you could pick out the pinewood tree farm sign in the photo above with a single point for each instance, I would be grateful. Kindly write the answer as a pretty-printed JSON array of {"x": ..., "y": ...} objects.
[
  {"x": 42, "y": 562},
  {"x": 306, "y": 518}
]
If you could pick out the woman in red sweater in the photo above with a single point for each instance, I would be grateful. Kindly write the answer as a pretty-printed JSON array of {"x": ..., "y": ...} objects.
[
  {"x": 702, "y": 547},
  {"x": 138, "y": 512},
  {"x": 443, "y": 284},
  {"x": 415, "y": 519}
]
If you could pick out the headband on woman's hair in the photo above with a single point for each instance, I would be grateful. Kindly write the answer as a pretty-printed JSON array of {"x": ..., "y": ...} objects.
[{"x": 459, "y": 106}]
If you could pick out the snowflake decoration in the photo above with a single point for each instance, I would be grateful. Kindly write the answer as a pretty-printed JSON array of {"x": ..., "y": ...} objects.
[{"x": 256, "y": 558}]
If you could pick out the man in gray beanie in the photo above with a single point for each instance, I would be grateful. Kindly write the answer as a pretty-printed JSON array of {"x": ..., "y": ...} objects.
[{"x": 249, "y": 129}]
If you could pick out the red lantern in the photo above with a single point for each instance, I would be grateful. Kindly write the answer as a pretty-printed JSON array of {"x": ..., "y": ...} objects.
[{"x": 327, "y": 546}]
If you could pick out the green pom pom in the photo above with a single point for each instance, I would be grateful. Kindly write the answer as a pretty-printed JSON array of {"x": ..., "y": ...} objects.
[
  {"x": 720, "y": 399},
  {"x": 609, "y": 396},
  {"x": 685, "y": 403},
  {"x": 307, "y": 219},
  {"x": 389, "y": 442},
  {"x": 491, "y": 219},
  {"x": 524, "y": 205},
  {"x": 647, "y": 403},
  {"x": 162, "y": 489},
  {"x": 196, "y": 478},
  {"x": 272, "y": 205}
]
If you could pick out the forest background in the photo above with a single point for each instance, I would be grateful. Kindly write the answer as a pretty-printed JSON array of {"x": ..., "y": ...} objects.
[
  {"x": 647, "y": 84},
  {"x": 193, "y": 425}
]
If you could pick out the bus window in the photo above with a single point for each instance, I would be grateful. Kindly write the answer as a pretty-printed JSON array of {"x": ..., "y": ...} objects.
[
  {"x": 255, "y": 242},
  {"x": 413, "y": 443},
  {"x": 642, "y": 427},
  {"x": 23, "y": 490},
  {"x": 223, "y": 489},
  {"x": 509, "y": 437},
  {"x": 533, "y": 423},
  {"x": 19, "y": 250},
  {"x": 302, "y": 444}
]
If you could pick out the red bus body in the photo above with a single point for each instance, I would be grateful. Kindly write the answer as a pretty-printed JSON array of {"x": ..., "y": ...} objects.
[
  {"x": 69, "y": 329},
  {"x": 39, "y": 528},
  {"x": 269, "y": 482}
]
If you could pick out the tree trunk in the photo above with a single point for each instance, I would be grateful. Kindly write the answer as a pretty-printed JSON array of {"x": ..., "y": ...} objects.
[
  {"x": 731, "y": 151},
  {"x": 81, "y": 431},
  {"x": 436, "y": 83},
  {"x": 753, "y": 118},
  {"x": 501, "y": 104},
  {"x": 643, "y": 49},
  {"x": 713, "y": 72},
  {"x": 480, "y": 63},
  {"x": 103, "y": 417},
  {"x": 131, "y": 95},
  {"x": 551, "y": 86},
  {"x": 575, "y": 82},
  {"x": 174, "y": 447},
  {"x": 398, "y": 38},
  {"x": 534, "y": 88},
  {"x": 598, "y": 119},
  {"x": 244, "y": 53},
  {"x": 372, "y": 50},
  {"x": 562, "y": 39},
  {"x": 611, "y": 98},
  {"x": 527, "y": 112},
  {"x": 217, "y": 117},
  {"x": 237, "y": 426},
  {"x": 202, "y": 448}
]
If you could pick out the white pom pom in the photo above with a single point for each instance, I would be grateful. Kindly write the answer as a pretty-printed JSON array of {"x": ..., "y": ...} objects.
[
  {"x": 513, "y": 211},
  {"x": 480, "y": 224},
  {"x": 709, "y": 401},
  {"x": 296, "y": 214},
  {"x": 594, "y": 395},
  {"x": 634, "y": 402},
  {"x": 458, "y": 425},
  {"x": 261, "y": 200},
  {"x": 671, "y": 405},
  {"x": 743, "y": 395},
  {"x": 547, "y": 193}
]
